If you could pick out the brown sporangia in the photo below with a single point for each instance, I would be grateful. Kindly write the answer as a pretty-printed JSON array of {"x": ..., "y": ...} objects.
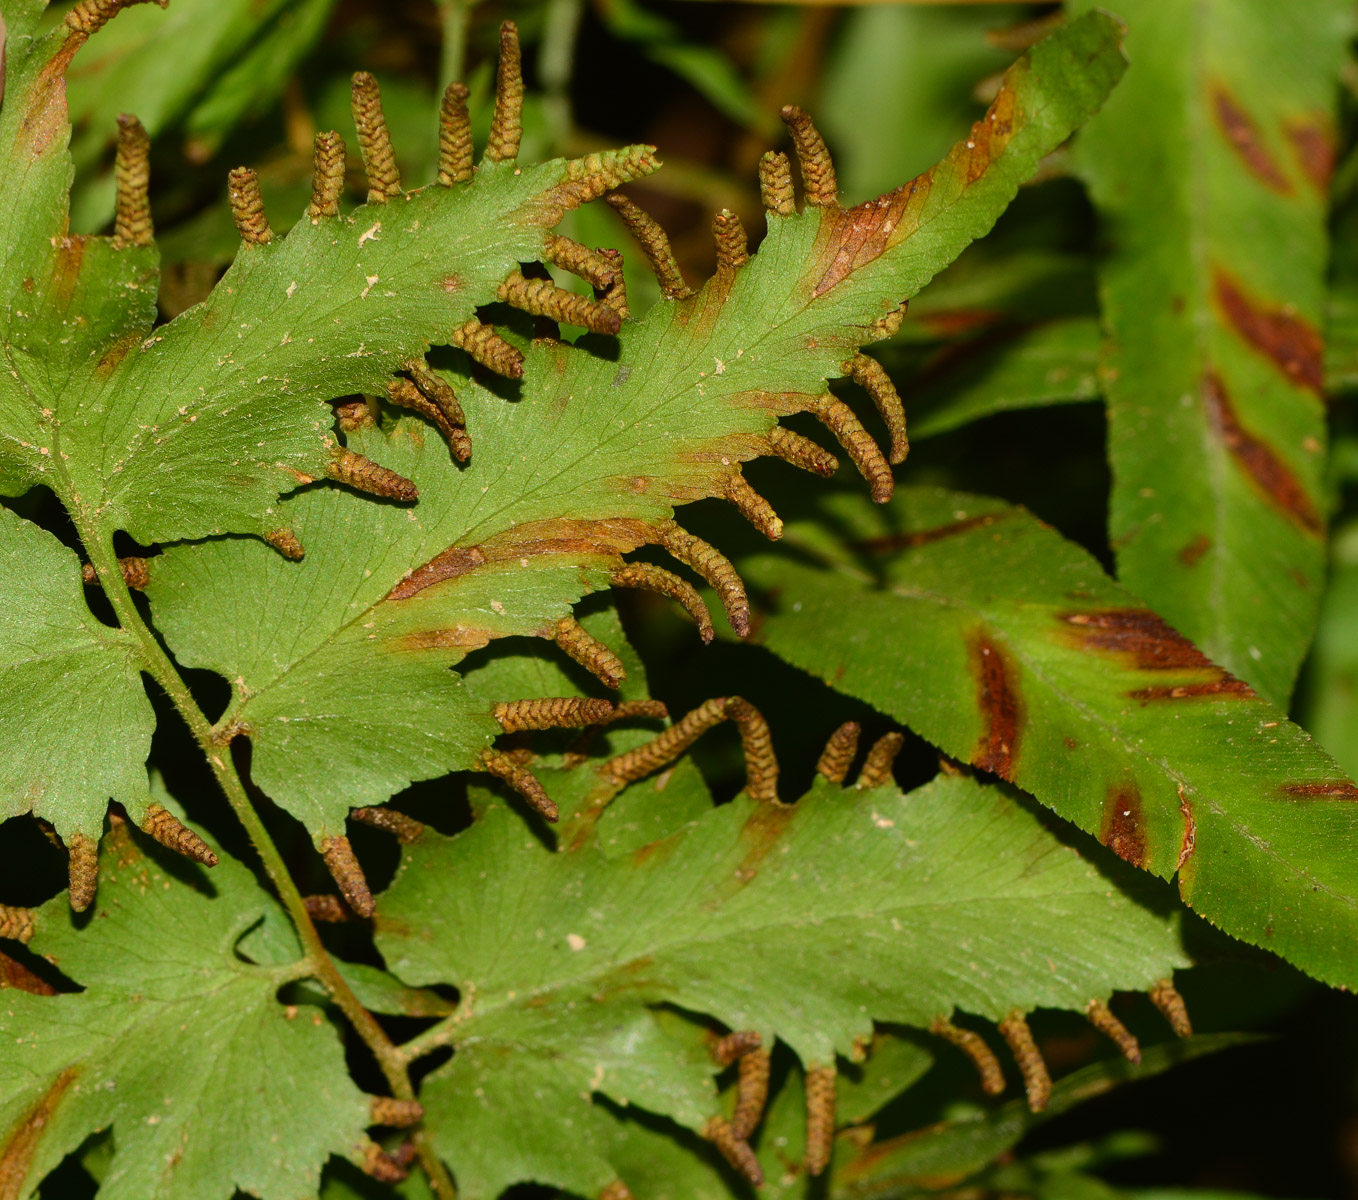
[
  {"x": 521, "y": 779},
  {"x": 889, "y": 325},
  {"x": 1313, "y": 146},
  {"x": 135, "y": 571},
  {"x": 869, "y": 374},
  {"x": 1102, "y": 1018},
  {"x": 21, "y": 1139},
  {"x": 761, "y": 767},
  {"x": 802, "y": 452},
  {"x": 733, "y": 246},
  {"x": 729, "y": 1047},
  {"x": 404, "y": 828},
  {"x": 838, "y": 755},
  {"x": 752, "y": 506},
  {"x": 775, "y": 184},
  {"x": 734, "y": 1150},
  {"x": 615, "y": 294},
  {"x": 1122, "y": 828},
  {"x": 327, "y": 176},
  {"x": 1244, "y": 136},
  {"x": 247, "y": 207},
  {"x": 656, "y": 579},
  {"x": 880, "y": 761},
  {"x": 506, "y": 125},
  {"x": 16, "y": 923},
  {"x": 752, "y": 1091},
  {"x": 88, "y": 17},
  {"x": 1037, "y": 1080},
  {"x": 1289, "y": 342},
  {"x": 1266, "y": 470},
  {"x": 818, "y": 171},
  {"x": 162, "y": 825},
  {"x": 345, "y": 870},
  {"x": 374, "y": 139},
  {"x": 715, "y": 568},
  {"x": 455, "y": 136},
  {"x": 285, "y": 542},
  {"x": 354, "y": 415},
  {"x": 543, "y": 298},
  {"x": 555, "y": 712},
  {"x": 997, "y": 697},
  {"x": 973, "y": 1045},
  {"x": 405, "y": 394},
  {"x": 327, "y": 908},
  {"x": 820, "y": 1118},
  {"x": 654, "y": 243},
  {"x": 396, "y": 1113},
  {"x": 590, "y": 177},
  {"x": 1165, "y": 996},
  {"x": 488, "y": 348},
  {"x": 82, "y": 870},
  {"x": 590, "y": 265},
  {"x": 377, "y": 1164},
  {"x": 858, "y": 443},
  {"x": 367, "y": 476},
  {"x": 132, "y": 170},
  {"x": 589, "y": 652}
]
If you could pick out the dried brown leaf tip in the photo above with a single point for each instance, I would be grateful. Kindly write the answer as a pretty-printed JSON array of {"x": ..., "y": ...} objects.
[
  {"x": 543, "y": 298},
  {"x": 89, "y": 16},
  {"x": 734, "y": 1150},
  {"x": 590, "y": 265},
  {"x": 1165, "y": 996},
  {"x": 775, "y": 184},
  {"x": 655, "y": 244},
  {"x": 802, "y": 452},
  {"x": 455, "y": 137},
  {"x": 161, "y": 824},
  {"x": 132, "y": 171},
  {"x": 880, "y": 760},
  {"x": 666, "y": 583},
  {"x": 377, "y": 1164},
  {"x": 521, "y": 779},
  {"x": 974, "y": 1047},
  {"x": 396, "y": 1113},
  {"x": 404, "y": 828},
  {"x": 733, "y": 247},
  {"x": 488, "y": 348},
  {"x": 589, "y": 652},
  {"x": 869, "y": 374},
  {"x": 839, "y": 752},
  {"x": 329, "y": 909},
  {"x": 136, "y": 573},
  {"x": 506, "y": 125},
  {"x": 1037, "y": 1080},
  {"x": 1102, "y": 1018},
  {"x": 247, "y": 207},
  {"x": 405, "y": 394},
  {"x": 364, "y": 475},
  {"x": 285, "y": 542},
  {"x": 752, "y": 506},
  {"x": 327, "y": 176},
  {"x": 865, "y": 454},
  {"x": 374, "y": 140},
  {"x": 715, "y": 568},
  {"x": 83, "y": 868},
  {"x": 16, "y": 923},
  {"x": 820, "y": 1118},
  {"x": 555, "y": 712},
  {"x": 345, "y": 870},
  {"x": 818, "y": 171}
]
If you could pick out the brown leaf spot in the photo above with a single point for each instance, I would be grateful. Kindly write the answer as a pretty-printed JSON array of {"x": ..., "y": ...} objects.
[
  {"x": 1192, "y": 553},
  {"x": 66, "y": 268},
  {"x": 44, "y": 120},
  {"x": 455, "y": 561},
  {"x": 1001, "y": 708},
  {"x": 1257, "y": 459},
  {"x": 455, "y": 637},
  {"x": 115, "y": 354},
  {"x": 853, "y": 238},
  {"x": 22, "y": 1140},
  {"x": 1190, "y": 835},
  {"x": 922, "y": 537},
  {"x": 1243, "y": 134},
  {"x": 1312, "y": 141},
  {"x": 13, "y": 974},
  {"x": 1290, "y": 343},
  {"x": 1339, "y": 789},
  {"x": 1224, "y": 685},
  {"x": 1121, "y": 830},
  {"x": 1137, "y": 636}
]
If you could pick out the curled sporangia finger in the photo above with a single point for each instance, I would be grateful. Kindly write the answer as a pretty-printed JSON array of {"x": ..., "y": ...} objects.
[
  {"x": 1165, "y": 996},
  {"x": 404, "y": 828},
  {"x": 348, "y": 875},
  {"x": 488, "y": 348},
  {"x": 667, "y": 583},
  {"x": 285, "y": 542},
  {"x": 1102, "y": 1018},
  {"x": 818, "y": 171},
  {"x": 161, "y": 824},
  {"x": 761, "y": 767},
  {"x": 589, "y": 652},
  {"x": 543, "y": 298},
  {"x": 135, "y": 572},
  {"x": 655, "y": 244},
  {"x": 378, "y": 1164},
  {"x": 83, "y": 870},
  {"x": 752, "y": 1091},
  {"x": 974, "y": 1047},
  {"x": 364, "y": 475},
  {"x": 395, "y": 1113},
  {"x": 734, "y": 1150},
  {"x": 1037, "y": 1080},
  {"x": 802, "y": 451},
  {"x": 16, "y": 923},
  {"x": 327, "y": 176},
  {"x": 665, "y": 747},
  {"x": 615, "y": 294},
  {"x": 374, "y": 140},
  {"x": 327, "y": 908},
  {"x": 775, "y": 184},
  {"x": 578, "y": 259},
  {"x": 438, "y": 390},
  {"x": 752, "y": 506},
  {"x": 870, "y": 375},
  {"x": 455, "y": 136},
  {"x": 247, "y": 207},
  {"x": 555, "y": 712},
  {"x": 521, "y": 779},
  {"x": 729, "y": 1047},
  {"x": 733, "y": 247},
  {"x": 820, "y": 1118},
  {"x": 132, "y": 171},
  {"x": 839, "y": 752},
  {"x": 506, "y": 124},
  {"x": 715, "y": 568},
  {"x": 880, "y": 759},
  {"x": 405, "y": 394},
  {"x": 866, "y": 455}
]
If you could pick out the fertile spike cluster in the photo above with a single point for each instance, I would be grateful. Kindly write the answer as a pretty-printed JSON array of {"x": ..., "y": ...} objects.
[
  {"x": 569, "y": 255},
  {"x": 396, "y": 1113},
  {"x": 557, "y": 712},
  {"x": 521, "y": 779},
  {"x": 327, "y": 176},
  {"x": 1037, "y": 1080},
  {"x": 734, "y": 1150},
  {"x": 733, "y": 247},
  {"x": 1102, "y": 1018},
  {"x": 161, "y": 824},
  {"x": 405, "y": 394},
  {"x": 865, "y": 454},
  {"x": 589, "y": 652},
  {"x": 327, "y": 908},
  {"x": 132, "y": 170},
  {"x": 345, "y": 870},
  {"x": 802, "y": 452},
  {"x": 880, "y": 759},
  {"x": 752, "y": 506},
  {"x": 377, "y": 1164},
  {"x": 16, "y": 923},
  {"x": 775, "y": 184},
  {"x": 506, "y": 125},
  {"x": 752, "y": 1091},
  {"x": 667, "y": 583},
  {"x": 135, "y": 572},
  {"x": 367, "y": 476},
  {"x": 869, "y": 374},
  {"x": 89, "y": 16},
  {"x": 406, "y": 829},
  {"x": 247, "y": 207},
  {"x": 655, "y": 244},
  {"x": 818, "y": 171},
  {"x": 455, "y": 137},
  {"x": 974, "y": 1047},
  {"x": 285, "y": 542},
  {"x": 374, "y": 140},
  {"x": 820, "y": 1118},
  {"x": 488, "y": 348},
  {"x": 839, "y": 752},
  {"x": 83, "y": 870},
  {"x": 715, "y": 568},
  {"x": 615, "y": 294},
  {"x": 1165, "y": 996},
  {"x": 543, "y": 298}
]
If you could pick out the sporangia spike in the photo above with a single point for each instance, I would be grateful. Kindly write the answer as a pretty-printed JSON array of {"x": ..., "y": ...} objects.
[
  {"x": 285, "y": 542},
  {"x": 752, "y": 506},
  {"x": 617, "y": 1190},
  {"x": 869, "y": 374},
  {"x": 615, "y": 294},
  {"x": 345, "y": 870},
  {"x": 247, "y": 207},
  {"x": 973, "y": 1045},
  {"x": 16, "y": 923},
  {"x": 378, "y": 1164},
  {"x": 438, "y": 390},
  {"x": 818, "y": 171},
  {"x": 761, "y": 767},
  {"x": 570, "y": 255},
  {"x": 839, "y": 752},
  {"x": 715, "y": 568},
  {"x": 89, "y": 16},
  {"x": 543, "y": 298},
  {"x": 879, "y": 761},
  {"x": 455, "y": 136},
  {"x": 655, "y": 244},
  {"x": 396, "y": 1113},
  {"x": 374, "y": 140},
  {"x": 327, "y": 908},
  {"x": 488, "y": 348},
  {"x": 327, "y": 176},
  {"x": 506, "y": 125},
  {"x": 83, "y": 870},
  {"x": 728, "y": 1048},
  {"x": 865, "y": 454},
  {"x": 354, "y": 415},
  {"x": 521, "y": 779},
  {"x": 132, "y": 170},
  {"x": 632, "y": 710},
  {"x": 1037, "y": 1080},
  {"x": 733, "y": 247},
  {"x": 1165, "y": 996},
  {"x": 135, "y": 572},
  {"x": 752, "y": 1092},
  {"x": 404, "y": 394},
  {"x": 556, "y": 712},
  {"x": 367, "y": 476},
  {"x": 802, "y": 452},
  {"x": 1102, "y": 1018},
  {"x": 161, "y": 824},
  {"x": 665, "y": 747},
  {"x": 820, "y": 1118},
  {"x": 589, "y": 652},
  {"x": 406, "y": 829},
  {"x": 734, "y": 1150},
  {"x": 656, "y": 579},
  {"x": 590, "y": 177},
  {"x": 775, "y": 184}
]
